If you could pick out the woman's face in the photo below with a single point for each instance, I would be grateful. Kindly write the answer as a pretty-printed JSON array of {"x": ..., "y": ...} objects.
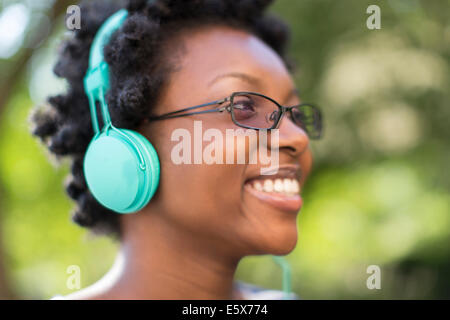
[{"x": 218, "y": 203}]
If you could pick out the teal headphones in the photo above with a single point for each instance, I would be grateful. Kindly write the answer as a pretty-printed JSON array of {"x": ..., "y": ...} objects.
[{"x": 121, "y": 166}]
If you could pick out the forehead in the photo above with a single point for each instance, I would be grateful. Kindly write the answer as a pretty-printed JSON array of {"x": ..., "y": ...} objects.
[{"x": 209, "y": 53}]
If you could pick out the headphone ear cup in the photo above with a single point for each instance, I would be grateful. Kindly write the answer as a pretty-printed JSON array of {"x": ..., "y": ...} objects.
[
  {"x": 152, "y": 172},
  {"x": 112, "y": 167}
]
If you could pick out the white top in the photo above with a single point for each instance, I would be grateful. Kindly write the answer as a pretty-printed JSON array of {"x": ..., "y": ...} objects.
[
  {"x": 248, "y": 291},
  {"x": 253, "y": 292}
]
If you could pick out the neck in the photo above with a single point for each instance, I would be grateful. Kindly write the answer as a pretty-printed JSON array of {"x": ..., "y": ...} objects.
[{"x": 157, "y": 260}]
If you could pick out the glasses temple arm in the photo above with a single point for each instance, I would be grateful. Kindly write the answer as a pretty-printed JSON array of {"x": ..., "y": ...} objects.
[
  {"x": 173, "y": 114},
  {"x": 165, "y": 116}
]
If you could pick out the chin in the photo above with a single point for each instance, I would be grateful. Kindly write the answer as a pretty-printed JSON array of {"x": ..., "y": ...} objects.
[
  {"x": 284, "y": 246},
  {"x": 278, "y": 242}
]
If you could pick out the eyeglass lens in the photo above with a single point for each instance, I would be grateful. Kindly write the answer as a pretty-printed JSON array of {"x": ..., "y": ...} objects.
[{"x": 256, "y": 111}]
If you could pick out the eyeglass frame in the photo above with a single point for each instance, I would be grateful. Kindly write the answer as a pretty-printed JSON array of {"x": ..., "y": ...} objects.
[{"x": 230, "y": 98}]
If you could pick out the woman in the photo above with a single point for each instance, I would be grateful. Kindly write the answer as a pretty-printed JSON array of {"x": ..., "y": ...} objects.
[{"x": 167, "y": 56}]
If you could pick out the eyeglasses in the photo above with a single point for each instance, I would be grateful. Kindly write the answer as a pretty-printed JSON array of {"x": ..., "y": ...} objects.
[{"x": 256, "y": 111}]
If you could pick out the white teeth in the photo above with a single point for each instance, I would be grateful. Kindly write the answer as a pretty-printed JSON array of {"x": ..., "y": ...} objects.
[
  {"x": 288, "y": 185},
  {"x": 284, "y": 186},
  {"x": 268, "y": 186},
  {"x": 278, "y": 186},
  {"x": 296, "y": 186}
]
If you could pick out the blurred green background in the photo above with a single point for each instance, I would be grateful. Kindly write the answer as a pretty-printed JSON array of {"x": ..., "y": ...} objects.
[{"x": 379, "y": 194}]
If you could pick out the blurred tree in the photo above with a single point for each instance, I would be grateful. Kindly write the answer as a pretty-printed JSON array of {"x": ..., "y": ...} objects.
[{"x": 8, "y": 81}]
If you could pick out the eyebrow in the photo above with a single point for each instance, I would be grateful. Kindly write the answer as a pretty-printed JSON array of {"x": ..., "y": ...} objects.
[
  {"x": 245, "y": 77},
  {"x": 253, "y": 81}
]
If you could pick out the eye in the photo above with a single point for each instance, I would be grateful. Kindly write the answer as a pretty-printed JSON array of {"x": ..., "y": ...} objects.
[
  {"x": 244, "y": 108},
  {"x": 244, "y": 104}
]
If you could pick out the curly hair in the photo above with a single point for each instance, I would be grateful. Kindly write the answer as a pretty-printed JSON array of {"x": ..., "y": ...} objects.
[{"x": 139, "y": 69}]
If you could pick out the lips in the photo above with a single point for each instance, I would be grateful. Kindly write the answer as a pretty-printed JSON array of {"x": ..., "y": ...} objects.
[{"x": 280, "y": 190}]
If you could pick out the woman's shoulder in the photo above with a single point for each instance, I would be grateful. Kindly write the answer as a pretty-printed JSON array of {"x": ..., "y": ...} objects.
[{"x": 89, "y": 293}]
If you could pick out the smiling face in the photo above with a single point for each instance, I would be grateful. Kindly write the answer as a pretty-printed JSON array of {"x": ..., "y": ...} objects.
[{"x": 231, "y": 205}]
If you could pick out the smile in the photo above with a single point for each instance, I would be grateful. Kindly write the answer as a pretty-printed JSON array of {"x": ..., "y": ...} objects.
[
  {"x": 281, "y": 191},
  {"x": 287, "y": 187}
]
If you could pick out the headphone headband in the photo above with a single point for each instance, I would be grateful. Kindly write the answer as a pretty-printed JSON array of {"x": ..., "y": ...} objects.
[
  {"x": 96, "y": 81},
  {"x": 111, "y": 24}
]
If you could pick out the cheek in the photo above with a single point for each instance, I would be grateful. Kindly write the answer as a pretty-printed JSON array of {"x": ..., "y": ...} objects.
[
  {"x": 306, "y": 162},
  {"x": 202, "y": 197}
]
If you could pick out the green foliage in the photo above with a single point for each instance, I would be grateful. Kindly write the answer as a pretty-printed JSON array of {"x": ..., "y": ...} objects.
[
  {"x": 379, "y": 194},
  {"x": 40, "y": 241}
]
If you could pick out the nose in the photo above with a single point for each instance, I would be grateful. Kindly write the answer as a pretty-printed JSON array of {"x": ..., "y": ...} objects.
[{"x": 292, "y": 138}]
